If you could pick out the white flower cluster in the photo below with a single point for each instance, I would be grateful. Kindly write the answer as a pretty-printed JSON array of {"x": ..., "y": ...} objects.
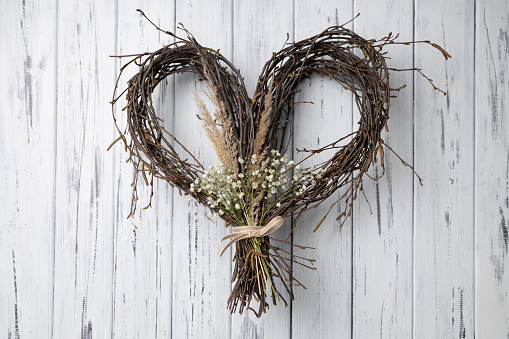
[{"x": 235, "y": 194}]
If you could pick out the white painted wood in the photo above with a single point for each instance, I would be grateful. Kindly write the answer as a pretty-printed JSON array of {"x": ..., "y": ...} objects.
[
  {"x": 27, "y": 170},
  {"x": 84, "y": 196},
  {"x": 444, "y": 149},
  {"x": 72, "y": 265},
  {"x": 163, "y": 214},
  {"x": 260, "y": 28},
  {"x": 326, "y": 301},
  {"x": 201, "y": 279},
  {"x": 382, "y": 239},
  {"x": 491, "y": 170},
  {"x": 143, "y": 243}
]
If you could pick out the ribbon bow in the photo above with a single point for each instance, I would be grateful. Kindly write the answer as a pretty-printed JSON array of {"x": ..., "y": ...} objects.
[{"x": 244, "y": 232}]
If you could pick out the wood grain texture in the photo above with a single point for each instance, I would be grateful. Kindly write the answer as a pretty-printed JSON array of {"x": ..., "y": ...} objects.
[
  {"x": 143, "y": 243},
  {"x": 201, "y": 279},
  {"x": 259, "y": 30},
  {"x": 491, "y": 170},
  {"x": 84, "y": 196},
  {"x": 27, "y": 170},
  {"x": 72, "y": 265},
  {"x": 326, "y": 301},
  {"x": 444, "y": 148},
  {"x": 382, "y": 239}
]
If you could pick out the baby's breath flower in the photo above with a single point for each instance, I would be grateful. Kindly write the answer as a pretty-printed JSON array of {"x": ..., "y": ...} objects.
[{"x": 227, "y": 192}]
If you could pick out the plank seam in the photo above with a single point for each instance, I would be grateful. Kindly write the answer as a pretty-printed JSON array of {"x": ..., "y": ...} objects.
[
  {"x": 413, "y": 178},
  {"x": 293, "y": 147},
  {"x": 114, "y": 202},
  {"x": 172, "y": 188},
  {"x": 474, "y": 254},
  {"x": 232, "y": 43},
  {"x": 351, "y": 219},
  {"x": 55, "y": 149}
]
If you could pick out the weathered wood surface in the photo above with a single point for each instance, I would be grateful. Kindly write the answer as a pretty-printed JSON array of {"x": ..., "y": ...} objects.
[
  {"x": 258, "y": 31},
  {"x": 27, "y": 176},
  {"x": 142, "y": 251},
  {"x": 382, "y": 230},
  {"x": 421, "y": 262},
  {"x": 491, "y": 170},
  {"x": 443, "y": 243},
  {"x": 329, "y": 287}
]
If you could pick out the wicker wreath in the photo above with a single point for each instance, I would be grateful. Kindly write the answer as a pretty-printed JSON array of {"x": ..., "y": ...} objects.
[{"x": 249, "y": 133}]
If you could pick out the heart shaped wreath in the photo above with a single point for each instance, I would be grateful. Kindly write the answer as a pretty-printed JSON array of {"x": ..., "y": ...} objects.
[{"x": 255, "y": 184}]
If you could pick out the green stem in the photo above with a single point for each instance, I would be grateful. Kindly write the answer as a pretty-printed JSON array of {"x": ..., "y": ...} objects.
[{"x": 266, "y": 266}]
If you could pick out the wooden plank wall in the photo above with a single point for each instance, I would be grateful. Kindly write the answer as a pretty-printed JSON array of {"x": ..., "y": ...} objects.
[{"x": 412, "y": 262}]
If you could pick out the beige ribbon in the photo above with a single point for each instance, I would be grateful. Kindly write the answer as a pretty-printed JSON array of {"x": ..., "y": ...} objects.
[{"x": 244, "y": 232}]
